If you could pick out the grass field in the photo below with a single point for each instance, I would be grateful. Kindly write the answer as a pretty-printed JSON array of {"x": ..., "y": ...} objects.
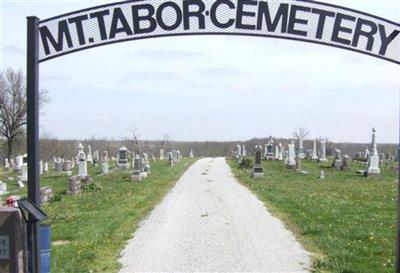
[
  {"x": 347, "y": 220},
  {"x": 90, "y": 230}
]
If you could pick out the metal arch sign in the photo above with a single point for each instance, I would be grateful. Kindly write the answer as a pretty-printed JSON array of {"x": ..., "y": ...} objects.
[
  {"x": 300, "y": 20},
  {"x": 307, "y": 21}
]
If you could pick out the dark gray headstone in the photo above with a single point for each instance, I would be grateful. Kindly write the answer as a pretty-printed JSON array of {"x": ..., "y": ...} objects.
[{"x": 12, "y": 250}]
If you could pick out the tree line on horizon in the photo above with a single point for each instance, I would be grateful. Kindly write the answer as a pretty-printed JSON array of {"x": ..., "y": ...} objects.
[{"x": 13, "y": 119}]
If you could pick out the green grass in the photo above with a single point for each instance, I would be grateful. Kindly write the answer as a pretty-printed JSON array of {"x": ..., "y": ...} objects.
[
  {"x": 347, "y": 221},
  {"x": 93, "y": 228}
]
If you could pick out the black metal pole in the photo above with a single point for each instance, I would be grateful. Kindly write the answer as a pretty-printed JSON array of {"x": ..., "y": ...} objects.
[
  {"x": 32, "y": 83},
  {"x": 398, "y": 204}
]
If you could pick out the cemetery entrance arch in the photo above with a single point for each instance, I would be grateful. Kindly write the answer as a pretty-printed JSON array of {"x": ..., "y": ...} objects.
[{"x": 300, "y": 20}]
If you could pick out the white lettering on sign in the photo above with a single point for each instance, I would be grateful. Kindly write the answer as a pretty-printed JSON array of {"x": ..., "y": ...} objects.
[{"x": 304, "y": 20}]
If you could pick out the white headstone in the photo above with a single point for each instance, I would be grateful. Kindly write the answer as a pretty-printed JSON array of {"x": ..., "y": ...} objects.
[
  {"x": 24, "y": 172},
  {"x": 82, "y": 164},
  {"x": 191, "y": 153},
  {"x": 6, "y": 164},
  {"x": 20, "y": 183},
  {"x": 3, "y": 188},
  {"x": 238, "y": 151},
  {"x": 18, "y": 163},
  {"x": 46, "y": 167},
  {"x": 314, "y": 151},
  {"x": 291, "y": 156},
  {"x": 104, "y": 163},
  {"x": 287, "y": 157},
  {"x": 161, "y": 154},
  {"x": 12, "y": 164},
  {"x": 89, "y": 157},
  {"x": 373, "y": 162},
  {"x": 321, "y": 174},
  {"x": 244, "y": 152},
  {"x": 337, "y": 160},
  {"x": 300, "y": 153},
  {"x": 322, "y": 152},
  {"x": 276, "y": 156},
  {"x": 96, "y": 155},
  {"x": 367, "y": 154},
  {"x": 281, "y": 152},
  {"x": 41, "y": 167}
]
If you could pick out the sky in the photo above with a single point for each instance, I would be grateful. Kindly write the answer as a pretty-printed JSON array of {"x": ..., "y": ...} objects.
[{"x": 209, "y": 88}]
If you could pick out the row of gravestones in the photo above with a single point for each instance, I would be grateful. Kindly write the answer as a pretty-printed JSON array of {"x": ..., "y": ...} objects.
[
  {"x": 141, "y": 169},
  {"x": 278, "y": 152},
  {"x": 293, "y": 160}
]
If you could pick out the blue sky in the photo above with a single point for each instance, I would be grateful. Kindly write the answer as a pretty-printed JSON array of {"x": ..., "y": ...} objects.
[{"x": 210, "y": 88}]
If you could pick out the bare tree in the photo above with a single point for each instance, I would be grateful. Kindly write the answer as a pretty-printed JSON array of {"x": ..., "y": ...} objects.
[
  {"x": 135, "y": 139},
  {"x": 164, "y": 141},
  {"x": 300, "y": 133},
  {"x": 13, "y": 107}
]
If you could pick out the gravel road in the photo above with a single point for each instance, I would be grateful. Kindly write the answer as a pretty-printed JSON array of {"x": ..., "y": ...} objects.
[{"x": 210, "y": 223}]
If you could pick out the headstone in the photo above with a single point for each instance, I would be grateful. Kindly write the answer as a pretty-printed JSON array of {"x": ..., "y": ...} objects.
[
  {"x": 18, "y": 163},
  {"x": 46, "y": 194},
  {"x": 12, "y": 164},
  {"x": 82, "y": 164},
  {"x": 298, "y": 164},
  {"x": 269, "y": 150},
  {"x": 89, "y": 157},
  {"x": 337, "y": 160},
  {"x": 137, "y": 169},
  {"x": 373, "y": 162},
  {"x": 74, "y": 185},
  {"x": 104, "y": 163},
  {"x": 238, "y": 151},
  {"x": 258, "y": 169},
  {"x": 314, "y": 155},
  {"x": 291, "y": 163},
  {"x": 286, "y": 158},
  {"x": 20, "y": 183},
  {"x": 12, "y": 238},
  {"x": 146, "y": 164},
  {"x": 178, "y": 156},
  {"x": 41, "y": 167},
  {"x": 3, "y": 189},
  {"x": 96, "y": 157},
  {"x": 321, "y": 174},
  {"x": 24, "y": 169},
  {"x": 244, "y": 152},
  {"x": 73, "y": 160},
  {"x": 281, "y": 152},
  {"x": 300, "y": 153},
  {"x": 46, "y": 167},
  {"x": 276, "y": 156},
  {"x": 300, "y": 134},
  {"x": 55, "y": 160},
  {"x": 58, "y": 165},
  {"x": 322, "y": 151},
  {"x": 161, "y": 154},
  {"x": 191, "y": 153},
  {"x": 67, "y": 167},
  {"x": 366, "y": 154},
  {"x": 6, "y": 164},
  {"x": 171, "y": 159},
  {"x": 345, "y": 163},
  {"x": 123, "y": 158}
]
